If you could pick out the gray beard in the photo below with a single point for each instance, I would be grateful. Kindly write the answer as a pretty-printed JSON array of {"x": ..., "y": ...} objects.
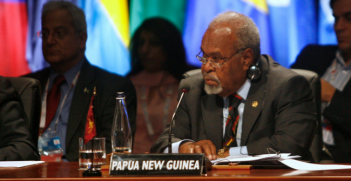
[
  {"x": 213, "y": 89},
  {"x": 210, "y": 89}
]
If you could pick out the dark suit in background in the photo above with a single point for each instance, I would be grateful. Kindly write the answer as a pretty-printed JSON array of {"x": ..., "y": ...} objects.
[
  {"x": 107, "y": 85},
  {"x": 319, "y": 58},
  {"x": 283, "y": 120},
  {"x": 15, "y": 140}
]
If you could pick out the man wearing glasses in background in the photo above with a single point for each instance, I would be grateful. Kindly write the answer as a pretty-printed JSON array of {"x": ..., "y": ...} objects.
[
  {"x": 69, "y": 83},
  {"x": 243, "y": 102}
]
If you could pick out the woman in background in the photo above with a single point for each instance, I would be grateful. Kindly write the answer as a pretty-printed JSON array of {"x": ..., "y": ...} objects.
[{"x": 158, "y": 62}]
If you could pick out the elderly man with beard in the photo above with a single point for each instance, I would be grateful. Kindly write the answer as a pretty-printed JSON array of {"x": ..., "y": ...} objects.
[{"x": 227, "y": 112}]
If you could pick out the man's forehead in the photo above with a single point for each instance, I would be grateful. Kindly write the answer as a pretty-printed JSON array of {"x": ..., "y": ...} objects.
[
  {"x": 57, "y": 18},
  {"x": 218, "y": 37},
  {"x": 342, "y": 8}
]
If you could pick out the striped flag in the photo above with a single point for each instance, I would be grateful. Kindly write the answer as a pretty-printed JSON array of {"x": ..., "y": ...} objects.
[
  {"x": 172, "y": 10},
  {"x": 108, "y": 34},
  {"x": 13, "y": 34}
]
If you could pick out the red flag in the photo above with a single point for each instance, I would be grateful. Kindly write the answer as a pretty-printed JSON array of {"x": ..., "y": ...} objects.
[
  {"x": 13, "y": 37},
  {"x": 90, "y": 129}
]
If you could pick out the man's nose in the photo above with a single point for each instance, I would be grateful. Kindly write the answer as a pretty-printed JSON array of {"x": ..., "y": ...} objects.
[
  {"x": 50, "y": 39},
  {"x": 145, "y": 47},
  {"x": 339, "y": 24},
  {"x": 207, "y": 67}
]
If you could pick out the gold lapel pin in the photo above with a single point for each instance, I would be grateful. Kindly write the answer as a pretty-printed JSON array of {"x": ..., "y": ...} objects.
[
  {"x": 254, "y": 104},
  {"x": 86, "y": 90}
]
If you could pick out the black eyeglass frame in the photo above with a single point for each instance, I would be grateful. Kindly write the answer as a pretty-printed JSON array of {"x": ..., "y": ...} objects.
[{"x": 215, "y": 64}]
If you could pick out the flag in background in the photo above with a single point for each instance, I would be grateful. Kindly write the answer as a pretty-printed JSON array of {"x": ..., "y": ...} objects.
[
  {"x": 34, "y": 54},
  {"x": 293, "y": 25},
  {"x": 172, "y": 10},
  {"x": 326, "y": 34},
  {"x": 108, "y": 34},
  {"x": 14, "y": 24},
  {"x": 286, "y": 26},
  {"x": 200, "y": 14},
  {"x": 90, "y": 128}
]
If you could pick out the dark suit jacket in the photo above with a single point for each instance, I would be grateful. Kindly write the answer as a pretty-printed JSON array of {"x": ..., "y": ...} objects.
[
  {"x": 15, "y": 140},
  {"x": 284, "y": 119},
  {"x": 107, "y": 84},
  {"x": 319, "y": 58}
]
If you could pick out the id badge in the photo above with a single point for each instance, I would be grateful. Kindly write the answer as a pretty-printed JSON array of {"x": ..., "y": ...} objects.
[{"x": 49, "y": 145}]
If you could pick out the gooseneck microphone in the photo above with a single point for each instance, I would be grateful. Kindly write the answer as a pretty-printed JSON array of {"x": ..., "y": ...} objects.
[{"x": 185, "y": 89}]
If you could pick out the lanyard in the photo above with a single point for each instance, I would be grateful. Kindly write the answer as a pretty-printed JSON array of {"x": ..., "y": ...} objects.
[{"x": 44, "y": 102}]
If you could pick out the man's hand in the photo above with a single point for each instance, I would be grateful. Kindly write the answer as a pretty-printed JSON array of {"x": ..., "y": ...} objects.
[
  {"x": 203, "y": 146},
  {"x": 327, "y": 91}
]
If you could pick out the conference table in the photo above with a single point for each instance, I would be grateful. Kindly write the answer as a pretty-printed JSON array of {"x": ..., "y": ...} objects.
[{"x": 69, "y": 171}]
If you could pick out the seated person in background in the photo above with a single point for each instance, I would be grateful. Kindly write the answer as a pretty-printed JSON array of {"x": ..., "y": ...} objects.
[
  {"x": 332, "y": 63},
  {"x": 158, "y": 62},
  {"x": 73, "y": 78},
  {"x": 228, "y": 111},
  {"x": 15, "y": 140}
]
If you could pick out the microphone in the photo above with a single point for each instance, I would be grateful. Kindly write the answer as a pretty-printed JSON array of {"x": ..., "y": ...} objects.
[
  {"x": 195, "y": 163},
  {"x": 185, "y": 89}
]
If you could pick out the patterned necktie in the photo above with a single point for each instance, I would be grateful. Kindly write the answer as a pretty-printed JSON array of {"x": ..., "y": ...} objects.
[
  {"x": 232, "y": 121},
  {"x": 53, "y": 99}
]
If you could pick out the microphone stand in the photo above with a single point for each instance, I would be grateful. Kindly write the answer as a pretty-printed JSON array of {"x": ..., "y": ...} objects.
[{"x": 184, "y": 91}]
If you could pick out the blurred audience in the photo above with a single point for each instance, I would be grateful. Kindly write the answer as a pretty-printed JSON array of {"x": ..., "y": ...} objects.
[{"x": 158, "y": 62}]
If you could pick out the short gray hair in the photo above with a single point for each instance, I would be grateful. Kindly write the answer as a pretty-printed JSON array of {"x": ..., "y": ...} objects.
[
  {"x": 244, "y": 28},
  {"x": 77, "y": 14}
]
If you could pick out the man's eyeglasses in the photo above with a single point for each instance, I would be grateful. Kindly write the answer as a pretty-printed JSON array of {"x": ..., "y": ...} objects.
[
  {"x": 215, "y": 62},
  {"x": 57, "y": 34}
]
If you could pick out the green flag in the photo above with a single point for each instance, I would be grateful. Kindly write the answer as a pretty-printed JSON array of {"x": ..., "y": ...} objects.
[{"x": 172, "y": 10}]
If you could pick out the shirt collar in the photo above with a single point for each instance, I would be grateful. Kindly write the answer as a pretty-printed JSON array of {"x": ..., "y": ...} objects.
[
  {"x": 340, "y": 60},
  {"x": 69, "y": 74},
  {"x": 243, "y": 91}
]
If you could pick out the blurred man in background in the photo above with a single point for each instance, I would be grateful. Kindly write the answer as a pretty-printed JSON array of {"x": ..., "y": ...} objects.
[
  {"x": 69, "y": 83},
  {"x": 332, "y": 63}
]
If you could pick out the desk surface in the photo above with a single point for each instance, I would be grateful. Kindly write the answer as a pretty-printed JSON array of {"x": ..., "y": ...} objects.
[{"x": 69, "y": 171}]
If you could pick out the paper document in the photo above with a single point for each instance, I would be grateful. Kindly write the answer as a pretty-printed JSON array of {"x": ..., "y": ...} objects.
[
  {"x": 18, "y": 163},
  {"x": 299, "y": 165},
  {"x": 247, "y": 158},
  {"x": 283, "y": 158}
]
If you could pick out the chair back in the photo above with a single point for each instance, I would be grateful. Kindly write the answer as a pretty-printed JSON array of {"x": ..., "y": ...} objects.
[
  {"x": 314, "y": 80},
  {"x": 30, "y": 94},
  {"x": 190, "y": 73}
]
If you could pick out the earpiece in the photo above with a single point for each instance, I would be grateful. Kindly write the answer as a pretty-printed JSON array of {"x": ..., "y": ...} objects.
[{"x": 254, "y": 72}]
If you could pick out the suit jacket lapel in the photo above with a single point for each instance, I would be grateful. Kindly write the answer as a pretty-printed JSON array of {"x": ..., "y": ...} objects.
[
  {"x": 81, "y": 100},
  {"x": 254, "y": 102},
  {"x": 212, "y": 115}
]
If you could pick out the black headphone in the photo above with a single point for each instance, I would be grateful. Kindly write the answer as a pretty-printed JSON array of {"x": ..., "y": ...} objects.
[{"x": 254, "y": 72}]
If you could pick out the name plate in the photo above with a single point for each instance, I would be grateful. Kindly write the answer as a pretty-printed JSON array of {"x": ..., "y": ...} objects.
[{"x": 145, "y": 164}]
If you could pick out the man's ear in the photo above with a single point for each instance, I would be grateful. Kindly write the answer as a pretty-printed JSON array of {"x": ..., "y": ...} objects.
[
  {"x": 83, "y": 36},
  {"x": 247, "y": 58}
]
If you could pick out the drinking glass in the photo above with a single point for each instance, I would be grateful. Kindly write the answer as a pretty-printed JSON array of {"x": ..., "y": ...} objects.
[{"x": 92, "y": 154}]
